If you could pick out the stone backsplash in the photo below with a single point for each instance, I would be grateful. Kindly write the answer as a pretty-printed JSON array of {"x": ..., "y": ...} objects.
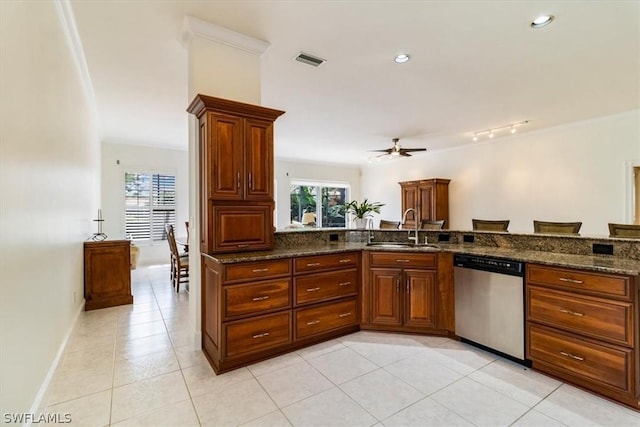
[{"x": 576, "y": 245}]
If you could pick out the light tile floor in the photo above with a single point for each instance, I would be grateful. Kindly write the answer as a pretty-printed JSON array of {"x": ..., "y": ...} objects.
[{"x": 136, "y": 365}]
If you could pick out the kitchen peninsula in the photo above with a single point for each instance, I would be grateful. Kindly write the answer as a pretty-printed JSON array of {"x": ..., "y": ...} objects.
[{"x": 311, "y": 288}]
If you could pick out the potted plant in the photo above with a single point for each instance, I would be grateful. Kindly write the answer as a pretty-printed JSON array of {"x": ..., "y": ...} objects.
[{"x": 362, "y": 211}]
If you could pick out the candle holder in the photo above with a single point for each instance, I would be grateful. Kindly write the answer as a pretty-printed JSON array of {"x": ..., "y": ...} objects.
[{"x": 99, "y": 236}]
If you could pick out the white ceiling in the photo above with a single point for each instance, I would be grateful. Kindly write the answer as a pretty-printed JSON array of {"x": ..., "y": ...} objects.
[{"x": 475, "y": 65}]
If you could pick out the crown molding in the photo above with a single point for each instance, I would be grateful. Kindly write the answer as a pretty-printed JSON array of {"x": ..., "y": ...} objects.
[
  {"x": 68, "y": 22},
  {"x": 194, "y": 27}
]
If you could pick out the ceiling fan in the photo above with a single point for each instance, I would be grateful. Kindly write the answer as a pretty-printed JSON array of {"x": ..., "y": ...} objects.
[{"x": 397, "y": 150}]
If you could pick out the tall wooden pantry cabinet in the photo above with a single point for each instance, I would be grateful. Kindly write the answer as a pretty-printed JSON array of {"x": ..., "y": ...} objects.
[{"x": 236, "y": 174}]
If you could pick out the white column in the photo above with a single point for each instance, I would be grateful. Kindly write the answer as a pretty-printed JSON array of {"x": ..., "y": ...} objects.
[{"x": 224, "y": 64}]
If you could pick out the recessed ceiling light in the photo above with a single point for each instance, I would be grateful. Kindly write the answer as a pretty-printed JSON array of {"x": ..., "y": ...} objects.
[
  {"x": 402, "y": 58},
  {"x": 541, "y": 21}
]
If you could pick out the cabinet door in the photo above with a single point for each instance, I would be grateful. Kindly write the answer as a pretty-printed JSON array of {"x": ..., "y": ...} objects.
[
  {"x": 420, "y": 298},
  {"x": 225, "y": 154},
  {"x": 386, "y": 306},
  {"x": 425, "y": 202},
  {"x": 242, "y": 228},
  {"x": 409, "y": 200},
  {"x": 259, "y": 160}
]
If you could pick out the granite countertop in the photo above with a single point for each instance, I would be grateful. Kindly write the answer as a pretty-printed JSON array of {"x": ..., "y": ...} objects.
[{"x": 600, "y": 263}]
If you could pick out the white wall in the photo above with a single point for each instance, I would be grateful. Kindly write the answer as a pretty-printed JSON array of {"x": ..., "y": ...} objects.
[
  {"x": 49, "y": 179},
  {"x": 574, "y": 172},
  {"x": 286, "y": 171},
  {"x": 117, "y": 159}
]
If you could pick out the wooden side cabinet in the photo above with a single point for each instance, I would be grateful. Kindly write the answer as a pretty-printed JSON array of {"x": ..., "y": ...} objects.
[
  {"x": 430, "y": 197},
  {"x": 107, "y": 274}
]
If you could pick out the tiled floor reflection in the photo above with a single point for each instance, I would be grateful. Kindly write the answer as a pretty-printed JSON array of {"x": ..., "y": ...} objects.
[{"x": 136, "y": 365}]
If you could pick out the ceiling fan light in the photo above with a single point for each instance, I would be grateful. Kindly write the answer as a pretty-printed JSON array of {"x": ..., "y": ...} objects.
[{"x": 395, "y": 153}]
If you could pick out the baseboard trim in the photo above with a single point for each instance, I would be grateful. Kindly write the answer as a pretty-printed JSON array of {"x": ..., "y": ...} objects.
[{"x": 54, "y": 364}]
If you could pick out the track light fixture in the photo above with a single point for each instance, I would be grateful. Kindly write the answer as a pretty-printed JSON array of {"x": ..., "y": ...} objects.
[{"x": 491, "y": 132}]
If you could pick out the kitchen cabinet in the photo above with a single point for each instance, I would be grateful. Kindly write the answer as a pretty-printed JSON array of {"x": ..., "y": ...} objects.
[
  {"x": 405, "y": 292},
  {"x": 258, "y": 309},
  {"x": 107, "y": 274},
  {"x": 581, "y": 327},
  {"x": 236, "y": 174},
  {"x": 430, "y": 197}
]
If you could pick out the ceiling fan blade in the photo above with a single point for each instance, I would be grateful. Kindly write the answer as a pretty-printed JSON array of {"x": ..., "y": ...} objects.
[
  {"x": 388, "y": 150},
  {"x": 405, "y": 154},
  {"x": 414, "y": 149}
]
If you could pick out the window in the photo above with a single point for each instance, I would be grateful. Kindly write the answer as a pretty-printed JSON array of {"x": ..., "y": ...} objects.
[
  {"x": 150, "y": 204},
  {"x": 319, "y": 205}
]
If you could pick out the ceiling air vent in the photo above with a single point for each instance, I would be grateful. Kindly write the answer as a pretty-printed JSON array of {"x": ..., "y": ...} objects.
[{"x": 309, "y": 59}]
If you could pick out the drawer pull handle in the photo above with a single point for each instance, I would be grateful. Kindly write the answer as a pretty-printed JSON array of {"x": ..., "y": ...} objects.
[
  {"x": 313, "y": 289},
  {"x": 345, "y": 314},
  {"x": 313, "y": 322},
  {"x": 262, "y": 335},
  {"x": 564, "y": 279},
  {"x": 260, "y": 298},
  {"x": 344, "y": 284},
  {"x": 260, "y": 270},
  {"x": 313, "y": 264},
  {"x": 244, "y": 245},
  {"x": 345, "y": 260},
  {"x": 573, "y": 356},
  {"x": 574, "y": 313},
  {"x": 403, "y": 260}
]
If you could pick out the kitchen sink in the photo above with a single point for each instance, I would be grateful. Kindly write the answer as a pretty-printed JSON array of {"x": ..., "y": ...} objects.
[{"x": 392, "y": 245}]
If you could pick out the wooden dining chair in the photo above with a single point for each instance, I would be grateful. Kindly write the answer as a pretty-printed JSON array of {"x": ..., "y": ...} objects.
[
  {"x": 629, "y": 231},
  {"x": 490, "y": 225},
  {"x": 179, "y": 261},
  {"x": 432, "y": 225},
  {"x": 547, "y": 227},
  {"x": 389, "y": 225}
]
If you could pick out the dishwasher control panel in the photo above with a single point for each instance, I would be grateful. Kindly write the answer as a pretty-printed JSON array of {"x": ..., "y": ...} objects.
[{"x": 496, "y": 265}]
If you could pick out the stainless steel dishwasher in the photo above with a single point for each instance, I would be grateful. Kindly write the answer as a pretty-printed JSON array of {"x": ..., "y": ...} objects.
[{"x": 489, "y": 304}]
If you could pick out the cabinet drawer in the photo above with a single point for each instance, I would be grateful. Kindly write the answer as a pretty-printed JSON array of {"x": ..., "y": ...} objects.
[
  {"x": 242, "y": 228},
  {"x": 325, "y": 262},
  {"x": 603, "y": 319},
  {"x": 590, "y": 282},
  {"x": 314, "y": 320},
  {"x": 323, "y": 286},
  {"x": 607, "y": 365},
  {"x": 402, "y": 259},
  {"x": 247, "y": 336},
  {"x": 256, "y": 297},
  {"x": 257, "y": 270}
]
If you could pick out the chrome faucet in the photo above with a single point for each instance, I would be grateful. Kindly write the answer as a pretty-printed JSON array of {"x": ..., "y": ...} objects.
[
  {"x": 369, "y": 225},
  {"x": 404, "y": 220}
]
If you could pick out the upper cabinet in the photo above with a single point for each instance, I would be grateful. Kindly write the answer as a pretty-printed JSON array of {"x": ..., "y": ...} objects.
[
  {"x": 239, "y": 152},
  {"x": 429, "y": 197},
  {"x": 236, "y": 174}
]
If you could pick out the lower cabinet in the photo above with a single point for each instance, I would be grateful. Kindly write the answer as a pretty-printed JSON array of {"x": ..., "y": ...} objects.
[
  {"x": 411, "y": 298},
  {"x": 255, "y": 310},
  {"x": 107, "y": 274},
  {"x": 582, "y": 327}
]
